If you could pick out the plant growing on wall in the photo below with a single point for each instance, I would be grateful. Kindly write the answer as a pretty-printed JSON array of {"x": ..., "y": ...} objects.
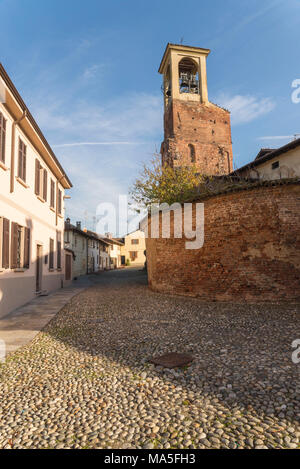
[{"x": 158, "y": 184}]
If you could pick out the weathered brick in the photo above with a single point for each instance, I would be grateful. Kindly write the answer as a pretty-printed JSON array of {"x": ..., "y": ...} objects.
[
  {"x": 206, "y": 127},
  {"x": 251, "y": 250}
]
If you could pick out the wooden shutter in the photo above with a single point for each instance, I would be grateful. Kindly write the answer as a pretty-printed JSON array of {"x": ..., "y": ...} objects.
[
  {"x": 45, "y": 183},
  {"x": 2, "y": 138},
  {"x": 52, "y": 195},
  {"x": 20, "y": 159},
  {"x": 51, "y": 254},
  {"x": 24, "y": 154},
  {"x": 5, "y": 244},
  {"x": 59, "y": 202},
  {"x": 26, "y": 247},
  {"x": 37, "y": 177},
  {"x": 14, "y": 246},
  {"x": 59, "y": 250}
]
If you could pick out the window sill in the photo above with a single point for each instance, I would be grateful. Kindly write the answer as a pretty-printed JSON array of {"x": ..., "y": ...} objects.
[
  {"x": 41, "y": 199},
  {"x": 51, "y": 270},
  {"x": 59, "y": 270},
  {"x": 20, "y": 269},
  {"x": 2, "y": 166},
  {"x": 60, "y": 215},
  {"x": 23, "y": 183},
  {"x": 53, "y": 209}
]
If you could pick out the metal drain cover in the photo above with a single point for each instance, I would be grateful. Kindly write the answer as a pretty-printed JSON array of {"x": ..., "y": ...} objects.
[{"x": 172, "y": 360}]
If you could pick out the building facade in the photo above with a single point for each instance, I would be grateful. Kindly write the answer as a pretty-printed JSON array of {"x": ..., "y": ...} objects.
[
  {"x": 115, "y": 246},
  {"x": 133, "y": 251},
  {"x": 283, "y": 162},
  {"x": 32, "y": 189},
  {"x": 76, "y": 241},
  {"x": 196, "y": 131},
  {"x": 93, "y": 252},
  {"x": 104, "y": 250}
]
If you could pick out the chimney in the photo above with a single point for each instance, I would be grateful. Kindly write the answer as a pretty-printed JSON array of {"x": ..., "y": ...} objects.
[
  {"x": 108, "y": 235},
  {"x": 68, "y": 221},
  {"x": 78, "y": 225}
]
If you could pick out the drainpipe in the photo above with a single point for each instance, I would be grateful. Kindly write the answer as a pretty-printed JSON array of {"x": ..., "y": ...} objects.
[{"x": 13, "y": 145}]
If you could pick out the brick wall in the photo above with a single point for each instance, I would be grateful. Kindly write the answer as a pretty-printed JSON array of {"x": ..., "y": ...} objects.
[
  {"x": 206, "y": 127},
  {"x": 251, "y": 250}
]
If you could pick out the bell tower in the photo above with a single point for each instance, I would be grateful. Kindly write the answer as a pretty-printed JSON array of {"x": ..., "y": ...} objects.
[{"x": 195, "y": 130}]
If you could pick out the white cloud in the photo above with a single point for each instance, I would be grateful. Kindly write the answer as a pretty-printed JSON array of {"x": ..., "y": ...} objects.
[
  {"x": 245, "y": 108},
  {"x": 90, "y": 72},
  {"x": 134, "y": 116}
]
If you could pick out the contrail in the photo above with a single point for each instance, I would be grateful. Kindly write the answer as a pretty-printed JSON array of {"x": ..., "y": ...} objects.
[
  {"x": 277, "y": 137},
  {"x": 80, "y": 144}
]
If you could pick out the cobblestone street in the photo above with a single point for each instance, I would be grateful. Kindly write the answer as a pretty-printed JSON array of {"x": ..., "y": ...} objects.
[{"x": 85, "y": 380}]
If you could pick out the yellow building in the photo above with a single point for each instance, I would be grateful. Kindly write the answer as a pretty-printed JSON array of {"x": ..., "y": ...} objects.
[{"x": 133, "y": 251}]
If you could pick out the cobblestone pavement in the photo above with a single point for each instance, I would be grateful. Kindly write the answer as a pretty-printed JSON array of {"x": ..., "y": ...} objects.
[{"x": 84, "y": 381}]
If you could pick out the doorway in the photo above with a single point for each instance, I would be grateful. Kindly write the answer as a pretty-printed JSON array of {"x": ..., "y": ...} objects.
[
  {"x": 39, "y": 267},
  {"x": 68, "y": 267}
]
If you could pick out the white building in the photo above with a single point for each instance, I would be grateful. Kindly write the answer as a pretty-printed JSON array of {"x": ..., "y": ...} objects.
[
  {"x": 114, "y": 251},
  {"x": 76, "y": 241},
  {"x": 93, "y": 252},
  {"x": 270, "y": 163},
  {"x": 32, "y": 188}
]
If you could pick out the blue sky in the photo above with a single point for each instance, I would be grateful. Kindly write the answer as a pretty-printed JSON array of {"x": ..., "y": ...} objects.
[{"x": 88, "y": 73}]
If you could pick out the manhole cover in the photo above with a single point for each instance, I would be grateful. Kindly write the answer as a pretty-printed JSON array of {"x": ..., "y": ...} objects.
[{"x": 172, "y": 360}]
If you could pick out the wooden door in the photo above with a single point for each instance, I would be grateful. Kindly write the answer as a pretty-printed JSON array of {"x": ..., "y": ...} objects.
[
  {"x": 39, "y": 266},
  {"x": 68, "y": 267}
]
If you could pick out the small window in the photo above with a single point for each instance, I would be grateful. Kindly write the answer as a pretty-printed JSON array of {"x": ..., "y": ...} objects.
[
  {"x": 20, "y": 247},
  {"x": 22, "y": 160},
  {"x": 134, "y": 241},
  {"x": 192, "y": 153},
  {"x": 275, "y": 165},
  {"x": 133, "y": 255},
  {"x": 2, "y": 138}
]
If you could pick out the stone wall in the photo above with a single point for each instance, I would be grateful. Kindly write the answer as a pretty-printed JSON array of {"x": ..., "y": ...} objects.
[
  {"x": 251, "y": 250},
  {"x": 206, "y": 127}
]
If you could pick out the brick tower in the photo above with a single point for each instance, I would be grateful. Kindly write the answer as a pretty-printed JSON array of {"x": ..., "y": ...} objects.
[{"x": 195, "y": 130}]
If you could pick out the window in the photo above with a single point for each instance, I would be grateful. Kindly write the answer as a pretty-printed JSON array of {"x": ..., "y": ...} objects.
[
  {"x": 20, "y": 246},
  {"x": 59, "y": 202},
  {"x": 51, "y": 254},
  {"x": 41, "y": 181},
  {"x": 58, "y": 250},
  {"x": 275, "y": 165},
  {"x": 22, "y": 160},
  {"x": 52, "y": 194},
  {"x": 133, "y": 255},
  {"x": 188, "y": 76},
  {"x": 2, "y": 138},
  {"x": 134, "y": 241},
  {"x": 192, "y": 153}
]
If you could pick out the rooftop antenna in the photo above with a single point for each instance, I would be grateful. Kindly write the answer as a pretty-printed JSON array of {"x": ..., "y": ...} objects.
[
  {"x": 181, "y": 41},
  {"x": 94, "y": 223}
]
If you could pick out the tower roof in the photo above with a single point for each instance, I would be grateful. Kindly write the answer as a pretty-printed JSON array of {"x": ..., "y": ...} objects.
[{"x": 180, "y": 48}]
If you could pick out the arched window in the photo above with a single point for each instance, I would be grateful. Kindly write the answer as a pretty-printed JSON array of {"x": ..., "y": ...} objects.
[
  {"x": 188, "y": 76},
  {"x": 192, "y": 153}
]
